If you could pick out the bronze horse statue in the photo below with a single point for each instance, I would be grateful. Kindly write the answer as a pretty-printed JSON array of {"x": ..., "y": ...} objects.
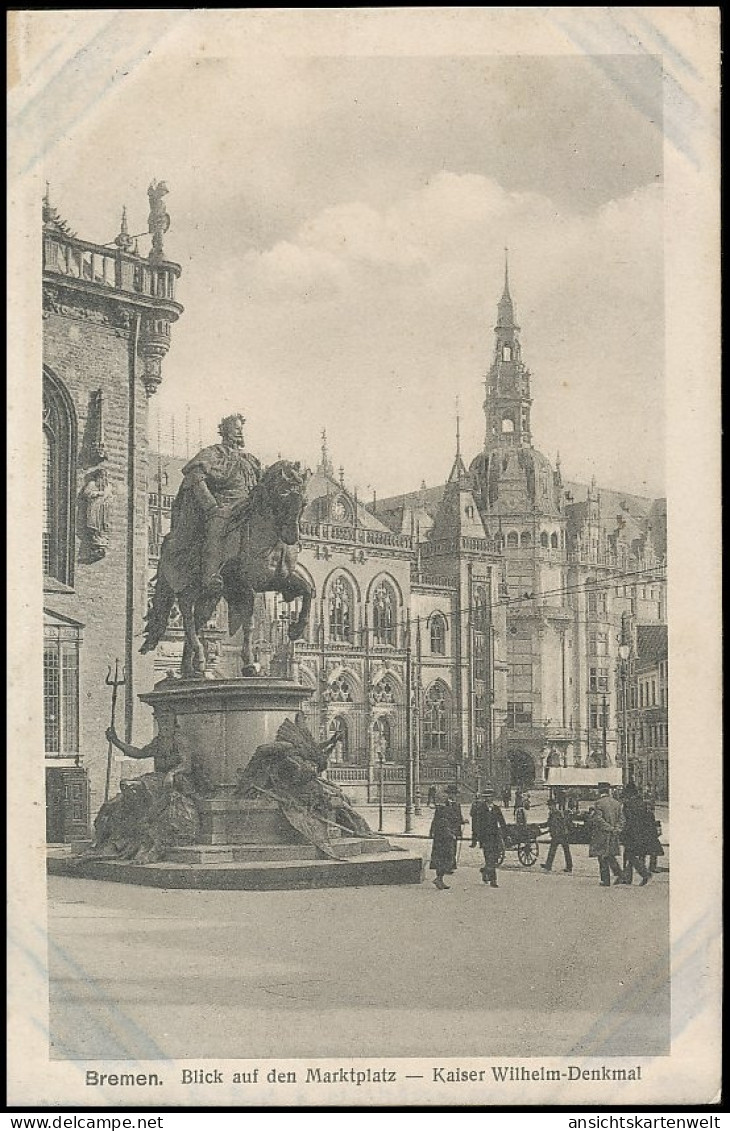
[{"x": 260, "y": 551}]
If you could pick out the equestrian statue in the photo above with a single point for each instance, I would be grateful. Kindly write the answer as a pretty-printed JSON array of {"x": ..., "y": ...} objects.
[{"x": 234, "y": 533}]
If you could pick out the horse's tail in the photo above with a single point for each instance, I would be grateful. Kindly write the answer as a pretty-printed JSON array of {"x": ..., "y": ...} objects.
[{"x": 158, "y": 613}]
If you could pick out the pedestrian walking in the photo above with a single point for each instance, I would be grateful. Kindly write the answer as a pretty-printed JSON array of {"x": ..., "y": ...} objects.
[
  {"x": 637, "y": 836},
  {"x": 431, "y": 799},
  {"x": 605, "y": 829},
  {"x": 445, "y": 832},
  {"x": 559, "y": 837},
  {"x": 507, "y": 796},
  {"x": 655, "y": 845},
  {"x": 488, "y": 830}
]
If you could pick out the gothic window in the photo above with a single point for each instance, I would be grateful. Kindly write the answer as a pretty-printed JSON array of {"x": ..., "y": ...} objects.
[
  {"x": 59, "y": 460},
  {"x": 554, "y": 541},
  {"x": 435, "y": 721},
  {"x": 384, "y": 614},
  {"x": 512, "y": 540},
  {"x": 340, "y": 690},
  {"x": 341, "y": 604},
  {"x": 480, "y": 711},
  {"x": 382, "y": 739},
  {"x": 526, "y": 538},
  {"x": 480, "y": 610},
  {"x": 544, "y": 540},
  {"x": 61, "y": 690},
  {"x": 438, "y": 635},
  {"x": 508, "y": 425},
  {"x": 383, "y": 691}
]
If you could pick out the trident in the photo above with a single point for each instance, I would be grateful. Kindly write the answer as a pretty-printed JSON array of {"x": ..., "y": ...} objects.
[{"x": 113, "y": 682}]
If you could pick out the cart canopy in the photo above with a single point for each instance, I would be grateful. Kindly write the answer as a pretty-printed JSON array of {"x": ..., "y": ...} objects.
[{"x": 572, "y": 776}]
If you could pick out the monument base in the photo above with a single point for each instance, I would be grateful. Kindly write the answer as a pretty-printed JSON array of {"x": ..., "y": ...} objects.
[
  {"x": 244, "y": 843},
  {"x": 255, "y": 868}
]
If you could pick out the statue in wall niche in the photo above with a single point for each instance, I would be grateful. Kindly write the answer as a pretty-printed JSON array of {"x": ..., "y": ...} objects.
[
  {"x": 156, "y": 811},
  {"x": 97, "y": 496},
  {"x": 289, "y": 771},
  {"x": 234, "y": 533}
]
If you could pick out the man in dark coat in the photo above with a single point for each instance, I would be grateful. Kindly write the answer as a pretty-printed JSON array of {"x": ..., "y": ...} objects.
[
  {"x": 638, "y": 836},
  {"x": 488, "y": 829},
  {"x": 445, "y": 832},
  {"x": 559, "y": 837},
  {"x": 606, "y": 824}
]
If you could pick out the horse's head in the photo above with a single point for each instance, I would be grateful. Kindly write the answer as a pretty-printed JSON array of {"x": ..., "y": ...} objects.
[{"x": 284, "y": 485}]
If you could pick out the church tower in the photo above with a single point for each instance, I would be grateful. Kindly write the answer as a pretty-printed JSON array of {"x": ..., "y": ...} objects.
[{"x": 508, "y": 401}]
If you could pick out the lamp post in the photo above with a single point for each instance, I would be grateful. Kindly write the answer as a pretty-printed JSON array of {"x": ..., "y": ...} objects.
[
  {"x": 624, "y": 652},
  {"x": 409, "y": 737},
  {"x": 381, "y": 764}
]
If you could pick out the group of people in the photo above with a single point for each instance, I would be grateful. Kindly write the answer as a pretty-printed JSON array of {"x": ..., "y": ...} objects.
[
  {"x": 629, "y": 822},
  {"x": 488, "y": 830}
]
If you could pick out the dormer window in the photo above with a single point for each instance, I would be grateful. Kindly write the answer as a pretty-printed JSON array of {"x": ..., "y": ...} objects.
[{"x": 469, "y": 510}]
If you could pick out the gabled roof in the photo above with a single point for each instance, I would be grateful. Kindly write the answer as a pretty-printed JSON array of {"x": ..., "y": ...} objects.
[{"x": 651, "y": 643}]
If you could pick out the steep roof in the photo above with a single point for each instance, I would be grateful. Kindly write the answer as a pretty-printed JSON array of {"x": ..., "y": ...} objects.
[{"x": 651, "y": 643}]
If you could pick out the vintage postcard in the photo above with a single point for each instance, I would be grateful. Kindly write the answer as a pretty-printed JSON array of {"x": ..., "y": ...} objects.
[{"x": 364, "y": 557}]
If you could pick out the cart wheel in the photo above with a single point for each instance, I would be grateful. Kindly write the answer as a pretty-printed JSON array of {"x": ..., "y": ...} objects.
[
  {"x": 527, "y": 853},
  {"x": 500, "y": 858}
]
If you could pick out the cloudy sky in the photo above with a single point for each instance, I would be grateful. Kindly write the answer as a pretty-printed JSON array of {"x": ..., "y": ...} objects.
[{"x": 341, "y": 222}]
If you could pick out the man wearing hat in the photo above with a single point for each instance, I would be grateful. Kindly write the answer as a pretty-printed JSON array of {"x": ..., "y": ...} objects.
[
  {"x": 559, "y": 836},
  {"x": 214, "y": 482},
  {"x": 488, "y": 829},
  {"x": 445, "y": 833},
  {"x": 606, "y": 826}
]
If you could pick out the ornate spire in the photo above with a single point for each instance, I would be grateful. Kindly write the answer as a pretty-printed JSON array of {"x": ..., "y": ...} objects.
[
  {"x": 124, "y": 241},
  {"x": 505, "y": 308},
  {"x": 325, "y": 462},
  {"x": 51, "y": 217}
]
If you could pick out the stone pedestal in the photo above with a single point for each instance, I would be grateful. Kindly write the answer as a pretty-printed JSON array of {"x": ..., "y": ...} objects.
[
  {"x": 245, "y": 844},
  {"x": 225, "y": 720}
]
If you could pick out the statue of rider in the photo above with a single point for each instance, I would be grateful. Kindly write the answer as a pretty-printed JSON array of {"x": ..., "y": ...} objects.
[{"x": 214, "y": 482}]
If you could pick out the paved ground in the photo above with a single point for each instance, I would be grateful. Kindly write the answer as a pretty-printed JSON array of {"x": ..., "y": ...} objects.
[{"x": 545, "y": 965}]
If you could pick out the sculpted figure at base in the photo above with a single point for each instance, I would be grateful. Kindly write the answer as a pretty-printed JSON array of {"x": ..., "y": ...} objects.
[
  {"x": 289, "y": 771},
  {"x": 156, "y": 811},
  {"x": 234, "y": 533}
]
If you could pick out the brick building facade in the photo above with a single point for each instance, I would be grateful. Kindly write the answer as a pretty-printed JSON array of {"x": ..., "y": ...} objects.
[{"x": 107, "y": 313}]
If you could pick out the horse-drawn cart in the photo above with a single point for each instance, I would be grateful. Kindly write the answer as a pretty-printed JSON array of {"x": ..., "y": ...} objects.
[{"x": 522, "y": 839}]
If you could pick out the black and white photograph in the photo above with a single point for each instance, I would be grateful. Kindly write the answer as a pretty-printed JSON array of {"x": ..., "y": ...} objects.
[{"x": 364, "y": 443}]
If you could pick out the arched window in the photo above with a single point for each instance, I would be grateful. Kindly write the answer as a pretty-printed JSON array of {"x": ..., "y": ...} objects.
[
  {"x": 59, "y": 466},
  {"x": 341, "y": 605},
  {"x": 341, "y": 749},
  {"x": 554, "y": 541},
  {"x": 506, "y": 353},
  {"x": 436, "y": 719},
  {"x": 526, "y": 538},
  {"x": 512, "y": 540},
  {"x": 384, "y": 614},
  {"x": 382, "y": 739},
  {"x": 438, "y": 635},
  {"x": 544, "y": 541},
  {"x": 480, "y": 610},
  {"x": 508, "y": 425}
]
